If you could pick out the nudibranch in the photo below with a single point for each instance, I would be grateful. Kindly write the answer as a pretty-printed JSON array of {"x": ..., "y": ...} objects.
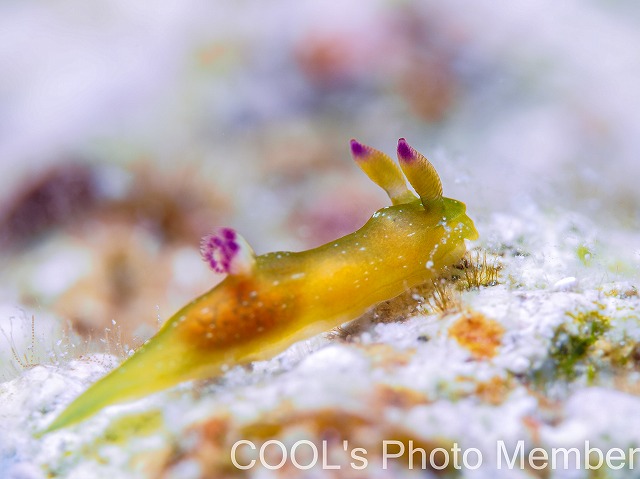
[{"x": 268, "y": 302}]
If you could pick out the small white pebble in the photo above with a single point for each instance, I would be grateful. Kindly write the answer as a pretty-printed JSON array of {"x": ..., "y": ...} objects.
[
  {"x": 186, "y": 469},
  {"x": 566, "y": 284},
  {"x": 519, "y": 365},
  {"x": 24, "y": 470}
]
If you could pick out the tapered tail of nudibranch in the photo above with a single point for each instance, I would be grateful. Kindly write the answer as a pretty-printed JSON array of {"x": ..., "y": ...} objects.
[
  {"x": 155, "y": 366},
  {"x": 266, "y": 303}
]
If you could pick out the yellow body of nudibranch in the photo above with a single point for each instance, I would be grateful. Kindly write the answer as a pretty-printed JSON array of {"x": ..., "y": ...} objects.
[{"x": 268, "y": 302}]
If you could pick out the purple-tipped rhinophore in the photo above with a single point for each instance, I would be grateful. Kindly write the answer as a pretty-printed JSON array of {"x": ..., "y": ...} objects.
[
  {"x": 405, "y": 152},
  {"x": 358, "y": 150},
  {"x": 219, "y": 248}
]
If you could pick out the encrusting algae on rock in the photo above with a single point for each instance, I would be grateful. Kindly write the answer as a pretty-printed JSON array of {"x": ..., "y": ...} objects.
[
  {"x": 480, "y": 335},
  {"x": 268, "y": 302}
]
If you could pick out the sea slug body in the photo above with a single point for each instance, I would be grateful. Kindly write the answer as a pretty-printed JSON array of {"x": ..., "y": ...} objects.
[{"x": 268, "y": 302}]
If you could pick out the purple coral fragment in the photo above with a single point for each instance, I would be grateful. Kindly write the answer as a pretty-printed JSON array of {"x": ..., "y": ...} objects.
[
  {"x": 405, "y": 152},
  {"x": 219, "y": 248}
]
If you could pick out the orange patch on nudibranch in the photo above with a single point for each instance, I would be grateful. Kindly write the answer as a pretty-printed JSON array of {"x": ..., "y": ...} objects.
[
  {"x": 231, "y": 319},
  {"x": 477, "y": 333}
]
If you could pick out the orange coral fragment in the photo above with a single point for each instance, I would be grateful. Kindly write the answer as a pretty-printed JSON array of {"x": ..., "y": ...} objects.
[
  {"x": 494, "y": 391},
  {"x": 479, "y": 334}
]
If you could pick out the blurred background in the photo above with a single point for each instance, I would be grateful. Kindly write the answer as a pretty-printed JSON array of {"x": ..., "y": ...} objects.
[{"x": 130, "y": 129}]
